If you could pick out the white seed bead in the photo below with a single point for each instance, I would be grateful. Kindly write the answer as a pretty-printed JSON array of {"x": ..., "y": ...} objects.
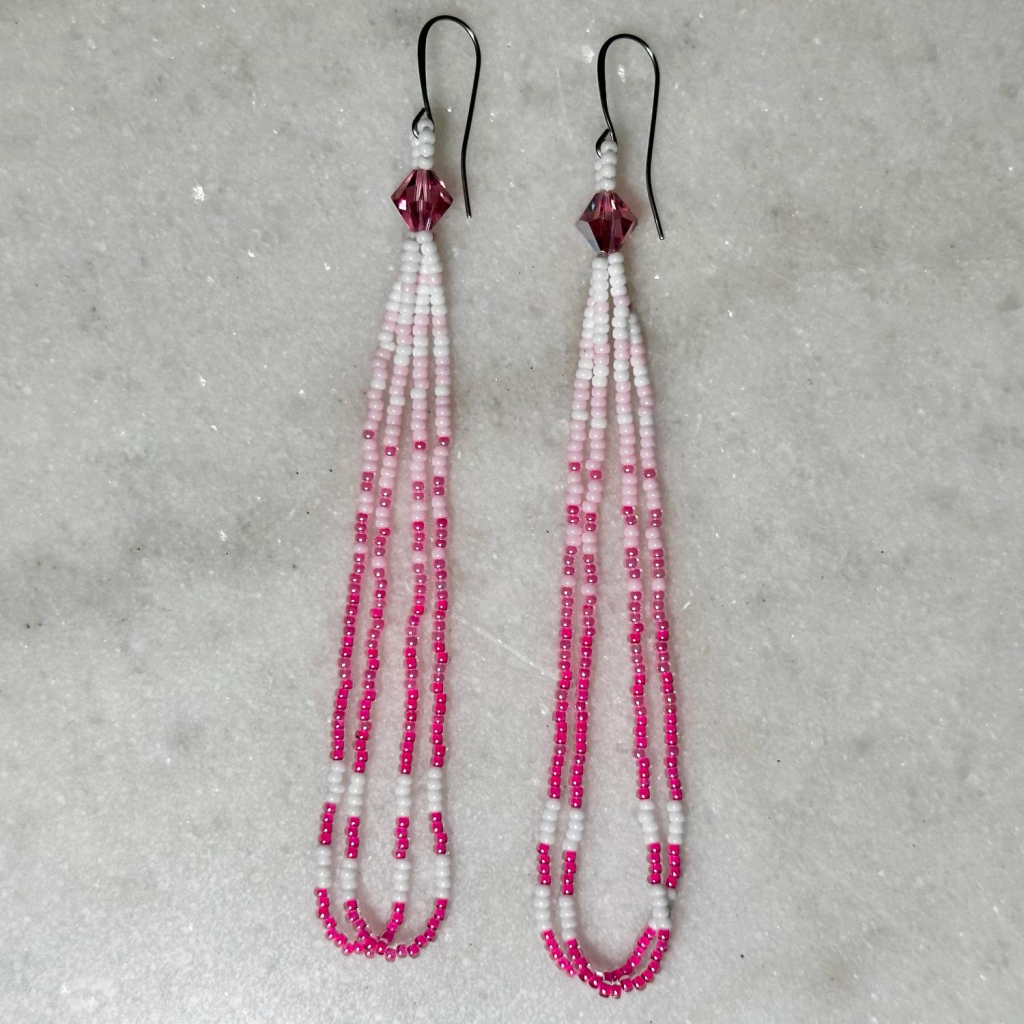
[
  {"x": 323, "y": 856},
  {"x": 542, "y": 907},
  {"x": 442, "y": 872},
  {"x": 567, "y": 917},
  {"x": 323, "y": 877},
  {"x": 648, "y": 821},
  {"x": 659, "y": 907},
  {"x": 676, "y": 820},
  {"x": 347, "y": 880}
]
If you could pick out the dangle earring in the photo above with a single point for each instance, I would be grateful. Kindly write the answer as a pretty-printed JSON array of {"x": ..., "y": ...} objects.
[
  {"x": 611, "y": 346},
  {"x": 415, "y": 319}
]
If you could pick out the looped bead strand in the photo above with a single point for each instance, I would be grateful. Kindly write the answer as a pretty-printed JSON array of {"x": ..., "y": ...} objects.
[
  {"x": 415, "y": 320},
  {"x": 611, "y": 359}
]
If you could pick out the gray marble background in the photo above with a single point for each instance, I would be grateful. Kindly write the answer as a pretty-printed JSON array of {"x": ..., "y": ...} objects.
[{"x": 196, "y": 242}]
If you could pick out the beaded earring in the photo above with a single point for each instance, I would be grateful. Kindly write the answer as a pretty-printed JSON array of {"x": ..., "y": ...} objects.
[
  {"x": 415, "y": 317},
  {"x": 611, "y": 345}
]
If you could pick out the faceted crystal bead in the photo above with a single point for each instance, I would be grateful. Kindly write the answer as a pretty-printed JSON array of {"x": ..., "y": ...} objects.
[
  {"x": 421, "y": 199},
  {"x": 606, "y": 222}
]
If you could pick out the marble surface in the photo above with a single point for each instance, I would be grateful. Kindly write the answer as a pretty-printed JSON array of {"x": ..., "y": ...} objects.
[{"x": 196, "y": 242}]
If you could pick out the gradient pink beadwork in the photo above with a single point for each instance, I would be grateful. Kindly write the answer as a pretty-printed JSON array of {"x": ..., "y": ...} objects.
[
  {"x": 612, "y": 365},
  {"x": 607, "y": 222},
  {"x": 422, "y": 199},
  {"x": 410, "y": 370}
]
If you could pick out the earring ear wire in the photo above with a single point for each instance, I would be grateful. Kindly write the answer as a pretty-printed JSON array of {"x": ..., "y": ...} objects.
[
  {"x": 421, "y": 56},
  {"x": 609, "y": 132}
]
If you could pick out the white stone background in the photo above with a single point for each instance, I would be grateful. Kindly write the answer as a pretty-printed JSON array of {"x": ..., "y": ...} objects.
[{"x": 197, "y": 241}]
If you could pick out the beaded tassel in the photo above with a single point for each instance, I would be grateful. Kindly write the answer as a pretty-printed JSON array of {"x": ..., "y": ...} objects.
[
  {"x": 611, "y": 346},
  {"x": 416, "y": 317}
]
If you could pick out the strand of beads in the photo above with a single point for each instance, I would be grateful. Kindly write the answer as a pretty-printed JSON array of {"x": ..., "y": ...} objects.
[
  {"x": 433, "y": 310},
  {"x": 608, "y": 222},
  {"x": 659, "y": 598},
  {"x": 416, "y": 313}
]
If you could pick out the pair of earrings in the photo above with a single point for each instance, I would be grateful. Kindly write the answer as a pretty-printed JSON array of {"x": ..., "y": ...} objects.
[{"x": 413, "y": 341}]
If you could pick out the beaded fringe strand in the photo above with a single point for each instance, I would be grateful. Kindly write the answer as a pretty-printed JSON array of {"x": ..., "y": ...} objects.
[
  {"x": 416, "y": 317},
  {"x": 611, "y": 346}
]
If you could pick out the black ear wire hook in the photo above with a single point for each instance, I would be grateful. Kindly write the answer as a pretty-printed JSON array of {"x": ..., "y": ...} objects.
[
  {"x": 421, "y": 53},
  {"x": 609, "y": 132}
]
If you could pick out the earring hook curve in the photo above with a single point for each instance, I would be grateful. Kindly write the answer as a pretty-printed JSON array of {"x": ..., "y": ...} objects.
[
  {"x": 421, "y": 57},
  {"x": 609, "y": 132}
]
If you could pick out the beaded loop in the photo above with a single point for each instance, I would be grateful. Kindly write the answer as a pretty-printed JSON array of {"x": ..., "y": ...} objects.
[
  {"x": 415, "y": 319},
  {"x": 611, "y": 359}
]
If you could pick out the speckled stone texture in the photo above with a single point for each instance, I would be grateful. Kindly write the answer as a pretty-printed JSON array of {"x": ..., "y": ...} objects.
[{"x": 197, "y": 239}]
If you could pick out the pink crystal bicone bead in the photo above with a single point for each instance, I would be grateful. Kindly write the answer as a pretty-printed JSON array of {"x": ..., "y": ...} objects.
[
  {"x": 607, "y": 222},
  {"x": 422, "y": 199}
]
